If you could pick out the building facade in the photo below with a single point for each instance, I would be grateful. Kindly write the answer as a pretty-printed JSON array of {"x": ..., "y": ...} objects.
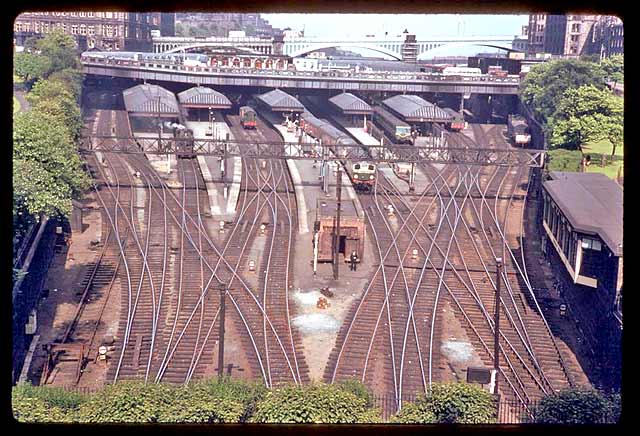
[
  {"x": 574, "y": 35},
  {"x": 94, "y": 30}
]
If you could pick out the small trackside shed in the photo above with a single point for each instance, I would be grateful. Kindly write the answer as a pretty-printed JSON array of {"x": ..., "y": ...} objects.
[
  {"x": 352, "y": 228},
  {"x": 199, "y": 100},
  {"x": 582, "y": 219}
]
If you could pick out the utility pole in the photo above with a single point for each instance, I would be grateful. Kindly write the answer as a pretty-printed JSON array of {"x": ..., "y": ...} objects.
[
  {"x": 336, "y": 237},
  {"x": 223, "y": 293},
  {"x": 496, "y": 331}
]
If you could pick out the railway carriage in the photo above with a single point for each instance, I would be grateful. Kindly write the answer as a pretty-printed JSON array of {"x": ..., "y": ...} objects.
[
  {"x": 247, "y": 117},
  {"x": 361, "y": 173},
  {"x": 394, "y": 127},
  {"x": 457, "y": 123}
]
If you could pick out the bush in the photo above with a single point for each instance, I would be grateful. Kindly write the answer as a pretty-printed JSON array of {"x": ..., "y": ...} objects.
[
  {"x": 357, "y": 388},
  {"x": 191, "y": 405},
  {"x": 50, "y": 396},
  {"x": 564, "y": 160},
  {"x": 248, "y": 394},
  {"x": 450, "y": 403},
  {"x": 318, "y": 403},
  {"x": 576, "y": 406},
  {"x": 29, "y": 409},
  {"x": 129, "y": 401}
]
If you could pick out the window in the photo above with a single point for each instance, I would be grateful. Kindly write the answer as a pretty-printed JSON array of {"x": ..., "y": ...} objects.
[
  {"x": 591, "y": 244},
  {"x": 575, "y": 38},
  {"x": 575, "y": 27}
]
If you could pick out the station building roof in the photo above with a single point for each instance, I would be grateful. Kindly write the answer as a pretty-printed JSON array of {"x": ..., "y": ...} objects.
[
  {"x": 150, "y": 100},
  {"x": 416, "y": 109},
  {"x": 350, "y": 104},
  {"x": 592, "y": 203},
  {"x": 280, "y": 101},
  {"x": 203, "y": 97}
]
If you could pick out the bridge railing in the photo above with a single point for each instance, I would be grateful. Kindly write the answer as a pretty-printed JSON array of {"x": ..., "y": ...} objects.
[{"x": 244, "y": 71}]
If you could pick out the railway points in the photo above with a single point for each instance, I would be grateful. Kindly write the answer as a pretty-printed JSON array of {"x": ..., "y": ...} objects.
[{"x": 414, "y": 311}]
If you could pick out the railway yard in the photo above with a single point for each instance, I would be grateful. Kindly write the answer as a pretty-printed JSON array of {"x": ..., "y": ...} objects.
[{"x": 158, "y": 269}]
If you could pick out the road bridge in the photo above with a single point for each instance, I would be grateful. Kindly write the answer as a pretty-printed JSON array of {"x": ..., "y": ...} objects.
[
  {"x": 403, "y": 82},
  {"x": 402, "y": 47}
]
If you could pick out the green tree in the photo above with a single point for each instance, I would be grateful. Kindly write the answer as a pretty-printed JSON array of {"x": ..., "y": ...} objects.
[
  {"x": 60, "y": 48},
  {"x": 587, "y": 114},
  {"x": 574, "y": 406},
  {"x": 72, "y": 78},
  {"x": 543, "y": 87},
  {"x": 450, "y": 403},
  {"x": 613, "y": 68},
  {"x": 318, "y": 403},
  {"x": 44, "y": 150},
  {"x": 30, "y": 66},
  {"x": 55, "y": 97}
]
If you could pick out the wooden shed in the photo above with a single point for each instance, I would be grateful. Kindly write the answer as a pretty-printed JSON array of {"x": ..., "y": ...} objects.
[{"x": 352, "y": 228}]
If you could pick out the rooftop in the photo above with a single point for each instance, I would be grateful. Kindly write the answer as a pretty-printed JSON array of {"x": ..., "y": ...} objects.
[
  {"x": 150, "y": 99},
  {"x": 280, "y": 101},
  {"x": 204, "y": 97},
  {"x": 592, "y": 203},
  {"x": 350, "y": 104},
  {"x": 414, "y": 108}
]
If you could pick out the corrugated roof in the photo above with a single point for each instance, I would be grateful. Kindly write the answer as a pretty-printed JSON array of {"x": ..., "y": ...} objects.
[
  {"x": 414, "y": 108},
  {"x": 592, "y": 203},
  {"x": 201, "y": 95},
  {"x": 349, "y": 103},
  {"x": 280, "y": 100},
  {"x": 144, "y": 98}
]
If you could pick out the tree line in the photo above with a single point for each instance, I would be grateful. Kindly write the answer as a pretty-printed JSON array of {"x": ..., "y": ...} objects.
[
  {"x": 347, "y": 402},
  {"x": 47, "y": 169},
  {"x": 571, "y": 99}
]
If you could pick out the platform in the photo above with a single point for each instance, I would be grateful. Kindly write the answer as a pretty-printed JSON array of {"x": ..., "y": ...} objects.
[{"x": 211, "y": 168}]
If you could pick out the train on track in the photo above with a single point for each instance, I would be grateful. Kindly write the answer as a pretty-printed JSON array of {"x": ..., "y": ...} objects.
[
  {"x": 247, "y": 117},
  {"x": 394, "y": 127},
  {"x": 518, "y": 130},
  {"x": 457, "y": 123},
  {"x": 184, "y": 142},
  {"x": 361, "y": 173}
]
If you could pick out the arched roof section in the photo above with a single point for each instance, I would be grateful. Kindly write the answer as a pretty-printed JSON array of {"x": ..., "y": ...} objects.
[{"x": 150, "y": 99}]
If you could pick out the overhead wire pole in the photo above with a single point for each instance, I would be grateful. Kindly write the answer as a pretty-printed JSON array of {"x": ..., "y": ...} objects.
[
  {"x": 223, "y": 293},
  {"x": 496, "y": 325},
  {"x": 336, "y": 238}
]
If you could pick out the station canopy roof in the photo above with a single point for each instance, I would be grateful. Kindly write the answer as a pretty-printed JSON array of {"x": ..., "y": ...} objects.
[
  {"x": 203, "y": 97},
  {"x": 416, "y": 109},
  {"x": 592, "y": 203},
  {"x": 350, "y": 104},
  {"x": 280, "y": 101},
  {"x": 150, "y": 100}
]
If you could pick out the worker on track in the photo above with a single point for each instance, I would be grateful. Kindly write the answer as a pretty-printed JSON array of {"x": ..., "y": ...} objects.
[{"x": 354, "y": 260}]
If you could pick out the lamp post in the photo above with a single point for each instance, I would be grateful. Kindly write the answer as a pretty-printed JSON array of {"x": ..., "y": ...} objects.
[{"x": 496, "y": 331}]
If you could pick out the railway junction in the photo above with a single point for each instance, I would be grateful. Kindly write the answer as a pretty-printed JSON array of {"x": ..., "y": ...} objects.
[{"x": 228, "y": 251}]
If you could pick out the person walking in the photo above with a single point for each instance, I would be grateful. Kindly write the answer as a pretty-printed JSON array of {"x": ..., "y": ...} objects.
[{"x": 354, "y": 259}]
